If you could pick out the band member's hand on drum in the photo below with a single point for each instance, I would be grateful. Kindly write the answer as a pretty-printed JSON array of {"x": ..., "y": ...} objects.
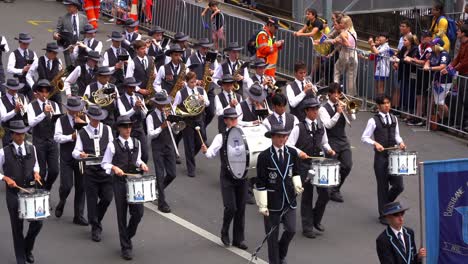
[
  {"x": 402, "y": 146},
  {"x": 331, "y": 152},
  {"x": 264, "y": 211},
  {"x": 303, "y": 155},
  {"x": 83, "y": 155},
  {"x": 378, "y": 147},
  {"x": 144, "y": 167},
  {"x": 37, "y": 177},
  {"x": 117, "y": 171},
  {"x": 10, "y": 182}
]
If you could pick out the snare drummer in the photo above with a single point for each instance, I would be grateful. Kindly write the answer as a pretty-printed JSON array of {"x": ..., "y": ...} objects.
[
  {"x": 384, "y": 128},
  {"x": 234, "y": 191},
  {"x": 18, "y": 162},
  {"x": 279, "y": 116},
  {"x": 92, "y": 141},
  {"x": 123, "y": 155},
  {"x": 309, "y": 138}
]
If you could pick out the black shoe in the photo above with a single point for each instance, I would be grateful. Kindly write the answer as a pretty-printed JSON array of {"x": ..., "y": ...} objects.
[
  {"x": 283, "y": 261},
  {"x": 29, "y": 257},
  {"x": 127, "y": 254},
  {"x": 164, "y": 208},
  {"x": 319, "y": 227},
  {"x": 225, "y": 239},
  {"x": 241, "y": 245},
  {"x": 336, "y": 196},
  {"x": 309, "y": 234},
  {"x": 96, "y": 236},
  {"x": 177, "y": 161},
  {"x": 80, "y": 221},
  {"x": 191, "y": 175},
  {"x": 59, "y": 209}
]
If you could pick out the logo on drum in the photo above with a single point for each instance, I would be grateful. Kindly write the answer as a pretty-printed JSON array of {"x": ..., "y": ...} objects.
[
  {"x": 403, "y": 168},
  {"x": 39, "y": 212},
  {"x": 139, "y": 196},
  {"x": 272, "y": 175},
  {"x": 323, "y": 179}
]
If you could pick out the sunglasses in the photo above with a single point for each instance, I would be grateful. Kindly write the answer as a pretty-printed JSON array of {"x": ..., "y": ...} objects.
[{"x": 398, "y": 214}]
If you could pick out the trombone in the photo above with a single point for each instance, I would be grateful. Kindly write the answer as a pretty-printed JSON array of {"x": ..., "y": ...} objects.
[
  {"x": 179, "y": 126},
  {"x": 351, "y": 106}
]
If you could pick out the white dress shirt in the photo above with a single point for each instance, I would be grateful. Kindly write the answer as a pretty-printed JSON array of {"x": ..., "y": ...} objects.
[
  {"x": 294, "y": 136},
  {"x": 72, "y": 78},
  {"x": 178, "y": 97},
  {"x": 218, "y": 72},
  {"x": 219, "y": 106},
  {"x": 153, "y": 132},
  {"x": 131, "y": 112},
  {"x": 293, "y": 99},
  {"x": 110, "y": 152},
  {"x": 249, "y": 81},
  {"x": 215, "y": 146},
  {"x": 32, "y": 73},
  {"x": 395, "y": 231},
  {"x": 162, "y": 74},
  {"x": 2, "y": 158},
  {"x": 33, "y": 119},
  {"x": 12, "y": 61},
  {"x": 59, "y": 137},
  {"x": 370, "y": 128},
  {"x": 3, "y": 41},
  {"x": 90, "y": 130},
  {"x": 3, "y": 112},
  {"x": 267, "y": 124},
  {"x": 330, "y": 122}
]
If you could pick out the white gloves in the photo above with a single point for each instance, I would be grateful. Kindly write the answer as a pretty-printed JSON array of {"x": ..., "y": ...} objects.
[
  {"x": 297, "y": 182},
  {"x": 261, "y": 197}
]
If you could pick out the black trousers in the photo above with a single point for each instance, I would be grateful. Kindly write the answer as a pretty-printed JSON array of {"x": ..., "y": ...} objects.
[
  {"x": 210, "y": 110},
  {"x": 165, "y": 169},
  {"x": 310, "y": 214},
  {"x": 126, "y": 231},
  {"x": 21, "y": 243},
  {"x": 48, "y": 159},
  {"x": 192, "y": 145},
  {"x": 278, "y": 249},
  {"x": 70, "y": 176},
  {"x": 234, "y": 193},
  {"x": 2, "y": 77},
  {"x": 345, "y": 158},
  {"x": 141, "y": 136},
  {"x": 388, "y": 187},
  {"x": 99, "y": 193}
]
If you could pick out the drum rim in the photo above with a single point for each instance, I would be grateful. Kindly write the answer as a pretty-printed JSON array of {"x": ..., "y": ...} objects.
[
  {"x": 247, "y": 153},
  {"x": 399, "y": 152},
  {"x": 145, "y": 177}
]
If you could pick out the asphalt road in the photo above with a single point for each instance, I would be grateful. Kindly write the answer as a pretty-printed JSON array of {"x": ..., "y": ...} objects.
[{"x": 190, "y": 234}]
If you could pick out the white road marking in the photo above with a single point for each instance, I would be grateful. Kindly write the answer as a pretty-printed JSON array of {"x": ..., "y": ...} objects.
[{"x": 203, "y": 233}]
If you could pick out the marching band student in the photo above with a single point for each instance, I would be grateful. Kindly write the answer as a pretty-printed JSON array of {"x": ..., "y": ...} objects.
[
  {"x": 40, "y": 112},
  {"x": 131, "y": 34},
  {"x": 279, "y": 116},
  {"x": 133, "y": 106},
  {"x": 332, "y": 116},
  {"x": 259, "y": 76},
  {"x": 232, "y": 66},
  {"x": 164, "y": 157},
  {"x": 92, "y": 141},
  {"x": 182, "y": 40},
  {"x": 226, "y": 99},
  {"x": 47, "y": 67},
  {"x": 18, "y": 63},
  {"x": 168, "y": 75},
  {"x": 385, "y": 130},
  {"x": 12, "y": 106},
  {"x": 309, "y": 137},
  {"x": 156, "y": 49},
  {"x": 299, "y": 90},
  {"x": 192, "y": 142},
  {"x": 256, "y": 96},
  {"x": 111, "y": 58},
  {"x": 90, "y": 43},
  {"x": 70, "y": 174},
  {"x": 141, "y": 66},
  {"x": 123, "y": 155},
  {"x": 82, "y": 75},
  {"x": 234, "y": 191},
  {"x": 4, "y": 48},
  {"x": 277, "y": 186},
  {"x": 19, "y": 165}
]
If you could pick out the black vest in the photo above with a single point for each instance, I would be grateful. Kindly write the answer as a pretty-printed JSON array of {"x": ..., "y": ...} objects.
[
  {"x": 224, "y": 103},
  {"x": 88, "y": 142},
  {"x": 247, "y": 114},
  {"x": 21, "y": 170},
  {"x": 310, "y": 142},
  {"x": 21, "y": 62},
  {"x": 66, "y": 149},
  {"x": 298, "y": 111},
  {"x": 385, "y": 134},
  {"x": 1, "y": 52},
  {"x": 140, "y": 74},
  {"x": 129, "y": 48},
  {"x": 44, "y": 73},
  {"x": 82, "y": 53},
  {"x": 126, "y": 160},
  {"x": 84, "y": 80},
  {"x": 289, "y": 125},
  {"x": 163, "y": 141},
  {"x": 337, "y": 134},
  {"x": 137, "y": 117},
  {"x": 44, "y": 130},
  {"x": 158, "y": 54},
  {"x": 183, "y": 95},
  {"x": 168, "y": 71},
  {"x": 200, "y": 68},
  {"x": 187, "y": 53},
  {"x": 10, "y": 107},
  {"x": 119, "y": 74}
]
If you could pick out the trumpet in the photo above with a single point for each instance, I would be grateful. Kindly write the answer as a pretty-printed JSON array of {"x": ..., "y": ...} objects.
[
  {"x": 308, "y": 81},
  {"x": 143, "y": 106}
]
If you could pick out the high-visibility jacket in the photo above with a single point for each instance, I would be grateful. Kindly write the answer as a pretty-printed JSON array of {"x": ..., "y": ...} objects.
[
  {"x": 266, "y": 49},
  {"x": 92, "y": 8}
]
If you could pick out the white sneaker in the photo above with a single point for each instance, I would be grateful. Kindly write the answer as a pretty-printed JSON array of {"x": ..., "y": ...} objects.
[{"x": 112, "y": 20}]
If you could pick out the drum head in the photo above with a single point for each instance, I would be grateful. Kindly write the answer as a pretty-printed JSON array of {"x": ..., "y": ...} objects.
[{"x": 236, "y": 152}]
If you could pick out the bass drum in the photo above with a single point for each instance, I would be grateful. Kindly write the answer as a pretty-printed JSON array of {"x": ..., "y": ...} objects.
[{"x": 243, "y": 145}]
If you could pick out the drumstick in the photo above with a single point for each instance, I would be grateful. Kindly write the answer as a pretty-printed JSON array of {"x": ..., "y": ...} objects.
[
  {"x": 391, "y": 148},
  {"x": 23, "y": 189},
  {"x": 133, "y": 174},
  {"x": 309, "y": 157},
  {"x": 40, "y": 183},
  {"x": 197, "y": 128}
]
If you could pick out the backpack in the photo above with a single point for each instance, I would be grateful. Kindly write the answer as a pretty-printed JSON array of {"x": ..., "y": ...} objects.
[
  {"x": 252, "y": 43},
  {"x": 451, "y": 29}
]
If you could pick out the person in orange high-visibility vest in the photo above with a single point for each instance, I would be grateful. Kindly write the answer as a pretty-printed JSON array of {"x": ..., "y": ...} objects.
[
  {"x": 92, "y": 9},
  {"x": 268, "y": 47}
]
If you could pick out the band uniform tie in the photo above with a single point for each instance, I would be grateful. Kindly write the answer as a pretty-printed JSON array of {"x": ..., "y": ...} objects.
[
  {"x": 400, "y": 238},
  {"x": 281, "y": 157},
  {"x": 280, "y": 120}
]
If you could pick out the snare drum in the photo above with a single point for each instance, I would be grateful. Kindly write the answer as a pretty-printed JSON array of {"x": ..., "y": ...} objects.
[
  {"x": 243, "y": 145},
  {"x": 141, "y": 189},
  {"x": 34, "y": 206},
  {"x": 325, "y": 173},
  {"x": 402, "y": 163}
]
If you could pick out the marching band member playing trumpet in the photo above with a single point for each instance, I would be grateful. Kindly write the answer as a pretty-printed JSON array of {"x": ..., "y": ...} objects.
[
  {"x": 70, "y": 174},
  {"x": 192, "y": 142},
  {"x": 82, "y": 75},
  {"x": 232, "y": 66},
  {"x": 141, "y": 67},
  {"x": 233, "y": 190},
  {"x": 256, "y": 100},
  {"x": 112, "y": 60},
  {"x": 163, "y": 148},
  {"x": 88, "y": 44},
  {"x": 332, "y": 116},
  {"x": 131, "y": 34},
  {"x": 12, "y": 106},
  {"x": 309, "y": 138},
  {"x": 40, "y": 112},
  {"x": 385, "y": 130},
  {"x": 123, "y": 155},
  {"x": 259, "y": 76},
  {"x": 133, "y": 106},
  {"x": 279, "y": 116},
  {"x": 156, "y": 49},
  {"x": 92, "y": 141},
  {"x": 226, "y": 99},
  {"x": 299, "y": 90}
]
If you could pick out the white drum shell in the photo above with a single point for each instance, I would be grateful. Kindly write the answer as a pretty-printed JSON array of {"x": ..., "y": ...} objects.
[
  {"x": 33, "y": 206},
  {"x": 326, "y": 174},
  {"x": 256, "y": 141},
  {"x": 141, "y": 190},
  {"x": 402, "y": 163}
]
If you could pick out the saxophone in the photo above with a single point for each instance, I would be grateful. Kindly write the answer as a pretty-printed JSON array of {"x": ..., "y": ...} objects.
[
  {"x": 206, "y": 76},
  {"x": 179, "y": 84},
  {"x": 238, "y": 71},
  {"x": 150, "y": 86},
  {"x": 57, "y": 83}
]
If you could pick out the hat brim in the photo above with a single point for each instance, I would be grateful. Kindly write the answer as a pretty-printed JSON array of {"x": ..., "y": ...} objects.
[
  {"x": 258, "y": 98},
  {"x": 105, "y": 73},
  {"x": 126, "y": 122},
  {"x": 71, "y": 3},
  {"x": 206, "y": 45},
  {"x": 38, "y": 88},
  {"x": 220, "y": 82},
  {"x": 24, "y": 40},
  {"x": 134, "y": 24},
  {"x": 75, "y": 108},
  {"x": 52, "y": 50},
  {"x": 403, "y": 209},
  {"x": 132, "y": 84},
  {"x": 234, "y": 49},
  {"x": 260, "y": 65},
  {"x": 116, "y": 39},
  {"x": 165, "y": 102},
  {"x": 14, "y": 88},
  {"x": 90, "y": 31},
  {"x": 19, "y": 130},
  {"x": 270, "y": 133},
  {"x": 317, "y": 105},
  {"x": 99, "y": 117},
  {"x": 185, "y": 38},
  {"x": 230, "y": 116},
  {"x": 150, "y": 33},
  {"x": 169, "y": 52}
]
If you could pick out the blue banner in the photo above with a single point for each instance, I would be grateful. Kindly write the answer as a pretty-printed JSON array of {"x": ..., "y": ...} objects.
[{"x": 446, "y": 207}]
